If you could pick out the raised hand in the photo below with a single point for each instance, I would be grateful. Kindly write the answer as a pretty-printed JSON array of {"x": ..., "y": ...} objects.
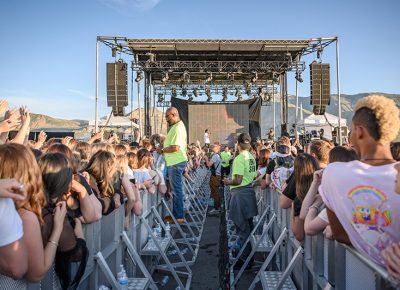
[
  {"x": 3, "y": 105},
  {"x": 11, "y": 188},
  {"x": 42, "y": 137}
]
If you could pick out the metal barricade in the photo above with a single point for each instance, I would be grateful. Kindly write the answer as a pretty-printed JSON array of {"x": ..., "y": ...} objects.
[
  {"x": 324, "y": 264},
  {"x": 111, "y": 246}
]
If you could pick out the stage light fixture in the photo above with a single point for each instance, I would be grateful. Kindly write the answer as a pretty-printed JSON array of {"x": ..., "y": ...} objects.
[
  {"x": 114, "y": 52},
  {"x": 247, "y": 87},
  {"x": 184, "y": 92},
  {"x": 288, "y": 57},
  {"x": 238, "y": 94},
  {"x": 319, "y": 53},
  {"x": 160, "y": 98},
  {"x": 208, "y": 92},
  {"x": 209, "y": 78},
  {"x": 195, "y": 92},
  {"x": 260, "y": 92},
  {"x": 275, "y": 77},
  {"x": 152, "y": 57},
  {"x": 298, "y": 77},
  {"x": 186, "y": 76},
  {"x": 165, "y": 78},
  {"x": 225, "y": 94},
  {"x": 254, "y": 78},
  {"x": 139, "y": 76},
  {"x": 173, "y": 92}
]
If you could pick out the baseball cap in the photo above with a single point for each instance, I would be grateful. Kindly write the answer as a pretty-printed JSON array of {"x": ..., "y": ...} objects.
[{"x": 244, "y": 140}]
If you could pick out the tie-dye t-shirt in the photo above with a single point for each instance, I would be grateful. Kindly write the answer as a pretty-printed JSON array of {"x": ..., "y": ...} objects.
[{"x": 364, "y": 200}]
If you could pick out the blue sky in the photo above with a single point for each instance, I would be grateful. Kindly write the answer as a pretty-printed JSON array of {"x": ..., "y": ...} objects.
[{"x": 47, "y": 54}]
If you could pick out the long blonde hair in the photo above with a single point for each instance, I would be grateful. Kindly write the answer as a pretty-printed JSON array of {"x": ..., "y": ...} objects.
[
  {"x": 17, "y": 161},
  {"x": 99, "y": 167}
]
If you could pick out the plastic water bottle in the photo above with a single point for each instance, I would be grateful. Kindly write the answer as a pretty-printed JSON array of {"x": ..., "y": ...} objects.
[
  {"x": 167, "y": 230},
  {"x": 158, "y": 231},
  {"x": 150, "y": 242},
  {"x": 122, "y": 278},
  {"x": 164, "y": 281},
  {"x": 265, "y": 227}
]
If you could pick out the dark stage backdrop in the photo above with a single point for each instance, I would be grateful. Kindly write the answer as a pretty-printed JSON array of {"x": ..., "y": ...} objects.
[{"x": 224, "y": 121}]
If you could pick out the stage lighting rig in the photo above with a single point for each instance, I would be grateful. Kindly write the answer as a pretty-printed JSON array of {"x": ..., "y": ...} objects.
[
  {"x": 275, "y": 77},
  {"x": 160, "y": 98},
  {"x": 298, "y": 76},
  {"x": 254, "y": 78},
  {"x": 225, "y": 94},
  {"x": 248, "y": 88},
  {"x": 184, "y": 92},
  {"x": 209, "y": 78},
  {"x": 139, "y": 76},
  {"x": 152, "y": 57},
  {"x": 260, "y": 92},
  {"x": 288, "y": 57},
  {"x": 173, "y": 92},
  {"x": 208, "y": 94},
  {"x": 165, "y": 78},
  {"x": 238, "y": 94}
]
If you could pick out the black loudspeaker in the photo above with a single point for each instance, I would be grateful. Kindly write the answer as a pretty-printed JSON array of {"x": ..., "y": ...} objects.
[
  {"x": 118, "y": 111},
  {"x": 117, "y": 84},
  {"x": 320, "y": 87}
]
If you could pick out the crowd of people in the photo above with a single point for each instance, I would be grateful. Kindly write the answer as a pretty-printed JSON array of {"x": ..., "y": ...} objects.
[
  {"x": 350, "y": 192},
  {"x": 49, "y": 188}
]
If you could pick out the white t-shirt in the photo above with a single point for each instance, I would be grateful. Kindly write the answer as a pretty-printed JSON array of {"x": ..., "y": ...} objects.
[
  {"x": 141, "y": 175},
  {"x": 323, "y": 215},
  {"x": 363, "y": 198},
  {"x": 206, "y": 138},
  {"x": 10, "y": 223}
]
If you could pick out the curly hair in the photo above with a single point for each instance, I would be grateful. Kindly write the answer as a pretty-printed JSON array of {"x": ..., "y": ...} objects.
[
  {"x": 380, "y": 115},
  {"x": 18, "y": 161}
]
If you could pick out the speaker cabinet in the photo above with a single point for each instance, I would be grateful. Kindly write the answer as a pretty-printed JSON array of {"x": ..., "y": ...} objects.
[
  {"x": 320, "y": 88},
  {"x": 118, "y": 111},
  {"x": 117, "y": 84}
]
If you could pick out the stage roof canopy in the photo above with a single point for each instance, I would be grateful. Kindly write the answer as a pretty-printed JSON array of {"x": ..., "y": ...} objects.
[{"x": 212, "y": 61}]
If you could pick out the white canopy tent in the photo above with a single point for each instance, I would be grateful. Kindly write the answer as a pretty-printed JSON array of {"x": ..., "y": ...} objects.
[
  {"x": 314, "y": 123},
  {"x": 120, "y": 124},
  {"x": 115, "y": 122}
]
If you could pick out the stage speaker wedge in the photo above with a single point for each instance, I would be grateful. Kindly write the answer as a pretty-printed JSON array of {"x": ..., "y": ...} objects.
[
  {"x": 320, "y": 87},
  {"x": 117, "y": 84}
]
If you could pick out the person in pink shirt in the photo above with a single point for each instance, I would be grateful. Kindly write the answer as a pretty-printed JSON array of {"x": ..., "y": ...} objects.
[{"x": 361, "y": 202}]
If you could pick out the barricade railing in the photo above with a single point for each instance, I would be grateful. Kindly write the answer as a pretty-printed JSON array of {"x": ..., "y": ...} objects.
[
  {"x": 108, "y": 237},
  {"x": 321, "y": 263}
]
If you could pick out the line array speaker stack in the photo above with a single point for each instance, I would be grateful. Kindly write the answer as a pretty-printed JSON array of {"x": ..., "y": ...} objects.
[
  {"x": 320, "y": 87},
  {"x": 117, "y": 87}
]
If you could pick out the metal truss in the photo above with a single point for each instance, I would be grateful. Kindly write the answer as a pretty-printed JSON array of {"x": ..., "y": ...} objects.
[{"x": 219, "y": 66}]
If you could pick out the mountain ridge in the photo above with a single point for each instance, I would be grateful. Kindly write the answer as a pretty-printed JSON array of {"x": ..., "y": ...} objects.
[{"x": 40, "y": 121}]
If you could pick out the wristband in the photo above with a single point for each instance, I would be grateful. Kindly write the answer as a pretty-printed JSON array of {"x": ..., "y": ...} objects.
[{"x": 53, "y": 242}]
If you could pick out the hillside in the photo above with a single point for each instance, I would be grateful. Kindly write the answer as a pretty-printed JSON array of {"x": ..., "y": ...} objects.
[
  {"x": 348, "y": 102},
  {"x": 39, "y": 121}
]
